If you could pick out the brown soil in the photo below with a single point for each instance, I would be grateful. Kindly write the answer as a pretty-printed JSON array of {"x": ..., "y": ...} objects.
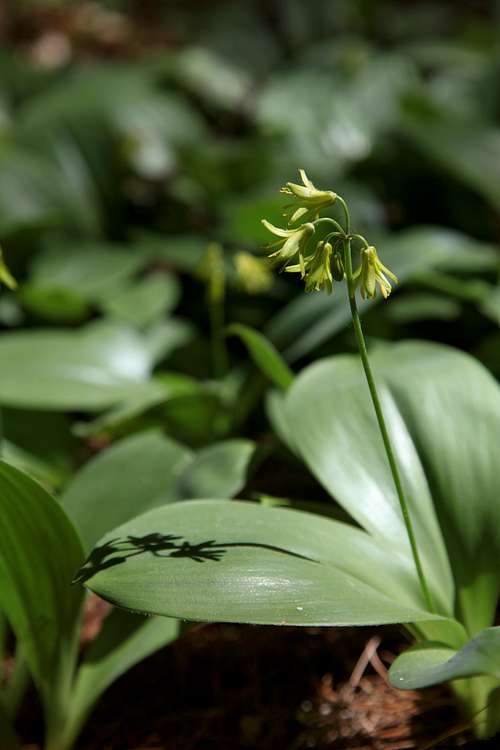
[{"x": 222, "y": 687}]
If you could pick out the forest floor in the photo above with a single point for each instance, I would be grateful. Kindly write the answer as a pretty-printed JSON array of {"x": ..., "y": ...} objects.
[{"x": 222, "y": 687}]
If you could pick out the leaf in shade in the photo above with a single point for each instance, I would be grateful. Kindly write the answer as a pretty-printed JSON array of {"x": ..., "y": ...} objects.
[{"x": 43, "y": 609}]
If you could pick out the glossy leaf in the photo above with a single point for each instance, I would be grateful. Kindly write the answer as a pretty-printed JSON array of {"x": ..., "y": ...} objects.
[
  {"x": 443, "y": 412},
  {"x": 265, "y": 355},
  {"x": 430, "y": 663},
  {"x": 89, "y": 369},
  {"x": 238, "y": 562}
]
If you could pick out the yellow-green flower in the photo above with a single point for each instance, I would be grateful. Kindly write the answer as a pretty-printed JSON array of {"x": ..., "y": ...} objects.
[
  {"x": 308, "y": 200},
  {"x": 254, "y": 274},
  {"x": 291, "y": 242},
  {"x": 372, "y": 272},
  {"x": 319, "y": 272}
]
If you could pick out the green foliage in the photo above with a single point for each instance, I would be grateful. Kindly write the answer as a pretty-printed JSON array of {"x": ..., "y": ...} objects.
[
  {"x": 308, "y": 570},
  {"x": 116, "y": 173},
  {"x": 41, "y": 551}
]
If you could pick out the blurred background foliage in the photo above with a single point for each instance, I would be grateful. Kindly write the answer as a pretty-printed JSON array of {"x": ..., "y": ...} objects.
[{"x": 134, "y": 134}]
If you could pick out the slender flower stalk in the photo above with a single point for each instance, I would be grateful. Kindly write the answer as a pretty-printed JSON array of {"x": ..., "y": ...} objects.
[
  {"x": 330, "y": 263},
  {"x": 363, "y": 353}
]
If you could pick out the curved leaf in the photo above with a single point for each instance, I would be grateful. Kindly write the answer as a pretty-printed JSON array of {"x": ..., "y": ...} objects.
[
  {"x": 39, "y": 553},
  {"x": 430, "y": 663},
  {"x": 265, "y": 355},
  {"x": 329, "y": 406},
  {"x": 239, "y": 562},
  {"x": 217, "y": 471},
  {"x": 123, "y": 481},
  {"x": 125, "y": 639},
  {"x": 443, "y": 411}
]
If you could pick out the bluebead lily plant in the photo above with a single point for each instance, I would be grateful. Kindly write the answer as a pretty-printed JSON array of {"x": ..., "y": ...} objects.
[{"x": 412, "y": 458}]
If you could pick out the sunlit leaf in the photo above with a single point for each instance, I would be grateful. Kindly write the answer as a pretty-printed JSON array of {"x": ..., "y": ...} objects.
[{"x": 211, "y": 560}]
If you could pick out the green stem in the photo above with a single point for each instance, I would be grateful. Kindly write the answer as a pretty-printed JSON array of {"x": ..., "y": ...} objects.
[
  {"x": 346, "y": 214},
  {"x": 360, "y": 238},
  {"x": 382, "y": 426},
  {"x": 328, "y": 220}
]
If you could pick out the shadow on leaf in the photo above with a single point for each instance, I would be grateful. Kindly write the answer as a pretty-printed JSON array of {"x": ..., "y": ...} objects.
[{"x": 117, "y": 551}]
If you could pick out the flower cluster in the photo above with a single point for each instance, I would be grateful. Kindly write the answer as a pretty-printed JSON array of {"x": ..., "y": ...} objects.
[{"x": 321, "y": 260}]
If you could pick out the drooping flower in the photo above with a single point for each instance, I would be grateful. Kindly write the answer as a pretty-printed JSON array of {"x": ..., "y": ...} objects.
[
  {"x": 308, "y": 200},
  {"x": 292, "y": 242},
  {"x": 372, "y": 272},
  {"x": 317, "y": 271}
]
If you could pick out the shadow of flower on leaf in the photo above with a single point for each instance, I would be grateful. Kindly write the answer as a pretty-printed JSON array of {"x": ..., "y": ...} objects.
[{"x": 117, "y": 551}]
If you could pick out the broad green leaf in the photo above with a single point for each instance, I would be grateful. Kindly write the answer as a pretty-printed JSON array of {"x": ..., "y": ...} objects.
[
  {"x": 145, "y": 302},
  {"x": 39, "y": 553},
  {"x": 217, "y": 471},
  {"x": 125, "y": 639},
  {"x": 127, "y": 479},
  {"x": 430, "y": 663},
  {"x": 239, "y": 562},
  {"x": 265, "y": 355},
  {"x": 147, "y": 470},
  {"x": 443, "y": 412},
  {"x": 90, "y": 369},
  {"x": 329, "y": 407},
  {"x": 91, "y": 269}
]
